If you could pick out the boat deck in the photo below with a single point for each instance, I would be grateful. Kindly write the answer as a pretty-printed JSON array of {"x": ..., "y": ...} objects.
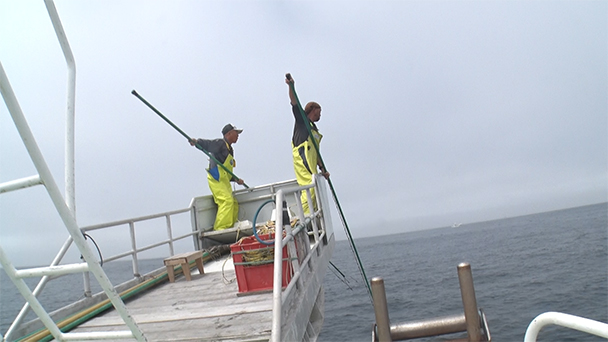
[{"x": 206, "y": 308}]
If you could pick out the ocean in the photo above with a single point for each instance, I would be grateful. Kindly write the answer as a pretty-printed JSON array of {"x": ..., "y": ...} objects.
[{"x": 522, "y": 267}]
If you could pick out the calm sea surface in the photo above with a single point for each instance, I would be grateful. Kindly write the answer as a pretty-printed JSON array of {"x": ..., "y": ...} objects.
[{"x": 522, "y": 267}]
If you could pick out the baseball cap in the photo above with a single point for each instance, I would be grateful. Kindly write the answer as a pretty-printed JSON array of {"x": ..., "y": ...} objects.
[{"x": 230, "y": 127}]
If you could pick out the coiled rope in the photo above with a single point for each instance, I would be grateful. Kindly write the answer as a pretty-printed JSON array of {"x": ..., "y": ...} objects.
[{"x": 333, "y": 192}]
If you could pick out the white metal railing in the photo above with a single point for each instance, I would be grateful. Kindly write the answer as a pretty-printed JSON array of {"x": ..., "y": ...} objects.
[
  {"x": 65, "y": 207},
  {"x": 69, "y": 170},
  {"x": 133, "y": 252},
  {"x": 39, "y": 287},
  {"x": 280, "y": 296},
  {"x": 565, "y": 320},
  {"x": 46, "y": 178}
]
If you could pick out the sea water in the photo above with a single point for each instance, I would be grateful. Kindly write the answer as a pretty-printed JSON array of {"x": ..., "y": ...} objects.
[{"x": 522, "y": 267}]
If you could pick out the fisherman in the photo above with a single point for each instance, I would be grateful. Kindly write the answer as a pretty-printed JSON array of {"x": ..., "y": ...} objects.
[
  {"x": 219, "y": 180},
  {"x": 305, "y": 156}
]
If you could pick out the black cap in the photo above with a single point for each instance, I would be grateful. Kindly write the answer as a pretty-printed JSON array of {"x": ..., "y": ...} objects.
[{"x": 229, "y": 128}]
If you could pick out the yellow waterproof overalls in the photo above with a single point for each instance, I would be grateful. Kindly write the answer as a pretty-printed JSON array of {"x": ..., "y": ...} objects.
[
  {"x": 227, "y": 206},
  {"x": 305, "y": 159}
]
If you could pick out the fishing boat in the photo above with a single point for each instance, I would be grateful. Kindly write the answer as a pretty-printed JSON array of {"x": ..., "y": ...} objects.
[
  {"x": 200, "y": 306},
  {"x": 206, "y": 307}
]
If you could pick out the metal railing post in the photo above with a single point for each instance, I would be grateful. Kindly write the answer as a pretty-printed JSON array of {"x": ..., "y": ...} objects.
[
  {"x": 278, "y": 274},
  {"x": 86, "y": 280},
  {"x": 298, "y": 200},
  {"x": 170, "y": 235},
  {"x": 70, "y": 192},
  {"x": 134, "y": 249},
  {"x": 469, "y": 301},
  {"x": 381, "y": 309}
]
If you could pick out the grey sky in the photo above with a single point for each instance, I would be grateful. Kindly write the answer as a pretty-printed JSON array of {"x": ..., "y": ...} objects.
[{"x": 434, "y": 112}]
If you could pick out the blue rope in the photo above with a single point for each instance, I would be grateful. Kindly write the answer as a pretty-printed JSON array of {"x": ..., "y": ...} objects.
[{"x": 255, "y": 231}]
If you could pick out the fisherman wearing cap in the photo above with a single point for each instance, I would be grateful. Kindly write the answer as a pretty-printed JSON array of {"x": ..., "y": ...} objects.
[
  {"x": 305, "y": 156},
  {"x": 219, "y": 180}
]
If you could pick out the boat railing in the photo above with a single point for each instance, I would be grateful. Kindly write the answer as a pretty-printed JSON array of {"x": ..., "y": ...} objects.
[
  {"x": 473, "y": 321},
  {"x": 64, "y": 207},
  {"x": 135, "y": 250},
  {"x": 310, "y": 226},
  {"x": 586, "y": 325}
]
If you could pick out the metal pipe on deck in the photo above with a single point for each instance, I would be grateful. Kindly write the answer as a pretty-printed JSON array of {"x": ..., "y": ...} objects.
[
  {"x": 277, "y": 274},
  {"x": 429, "y": 327},
  {"x": 469, "y": 302},
  {"x": 381, "y": 309}
]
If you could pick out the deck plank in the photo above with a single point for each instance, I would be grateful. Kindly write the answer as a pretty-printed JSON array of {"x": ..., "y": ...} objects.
[{"x": 203, "y": 309}]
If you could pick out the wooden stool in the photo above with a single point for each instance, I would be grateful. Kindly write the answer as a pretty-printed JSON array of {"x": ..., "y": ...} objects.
[{"x": 184, "y": 260}]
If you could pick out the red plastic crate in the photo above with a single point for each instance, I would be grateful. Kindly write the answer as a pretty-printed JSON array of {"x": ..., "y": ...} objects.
[{"x": 257, "y": 277}]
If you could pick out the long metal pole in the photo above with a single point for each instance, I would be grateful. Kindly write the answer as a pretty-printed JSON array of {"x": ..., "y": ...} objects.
[
  {"x": 70, "y": 160},
  {"x": 70, "y": 187},
  {"x": 185, "y": 135},
  {"x": 277, "y": 273},
  {"x": 381, "y": 310},
  {"x": 471, "y": 314}
]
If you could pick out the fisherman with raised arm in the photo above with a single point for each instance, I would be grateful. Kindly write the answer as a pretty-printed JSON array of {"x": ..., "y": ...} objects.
[
  {"x": 219, "y": 179},
  {"x": 305, "y": 155}
]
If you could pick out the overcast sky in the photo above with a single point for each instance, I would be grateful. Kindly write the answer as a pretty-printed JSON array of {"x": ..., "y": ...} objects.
[{"x": 434, "y": 112}]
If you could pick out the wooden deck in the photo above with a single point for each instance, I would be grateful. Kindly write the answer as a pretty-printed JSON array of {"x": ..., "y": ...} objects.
[{"x": 204, "y": 309}]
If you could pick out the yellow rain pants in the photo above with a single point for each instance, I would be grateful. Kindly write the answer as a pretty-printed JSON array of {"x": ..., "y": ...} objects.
[
  {"x": 227, "y": 206},
  {"x": 305, "y": 159}
]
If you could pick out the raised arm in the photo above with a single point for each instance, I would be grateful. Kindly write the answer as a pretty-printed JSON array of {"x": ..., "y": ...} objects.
[{"x": 291, "y": 83}]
